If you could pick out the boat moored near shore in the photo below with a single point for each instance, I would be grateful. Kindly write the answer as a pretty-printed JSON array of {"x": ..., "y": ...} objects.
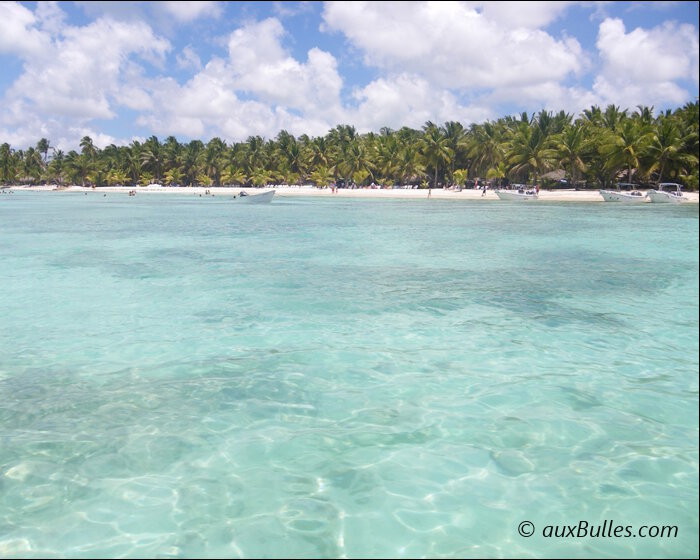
[
  {"x": 667, "y": 192},
  {"x": 631, "y": 194},
  {"x": 259, "y": 198},
  {"x": 519, "y": 192}
]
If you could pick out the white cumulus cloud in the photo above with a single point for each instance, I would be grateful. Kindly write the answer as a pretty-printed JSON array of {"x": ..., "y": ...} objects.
[
  {"x": 532, "y": 15},
  {"x": 457, "y": 45},
  {"x": 408, "y": 100},
  {"x": 18, "y": 32},
  {"x": 74, "y": 74},
  {"x": 84, "y": 68},
  {"x": 259, "y": 89},
  {"x": 646, "y": 64},
  {"x": 188, "y": 58},
  {"x": 187, "y": 11}
]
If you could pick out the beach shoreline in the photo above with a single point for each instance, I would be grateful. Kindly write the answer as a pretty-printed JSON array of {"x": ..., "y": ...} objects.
[{"x": 307, "y": 190}]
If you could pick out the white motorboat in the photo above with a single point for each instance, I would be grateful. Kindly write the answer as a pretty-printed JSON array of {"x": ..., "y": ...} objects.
[
  {"x": 631, "y": 195},
  {"x": 258, "y": 198},
  {"x": 519, "y": 193},
  {"x": 667, "y": 192}
]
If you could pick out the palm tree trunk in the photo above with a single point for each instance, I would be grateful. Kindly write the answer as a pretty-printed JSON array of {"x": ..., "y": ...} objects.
[{"x": 661, "y": 171}]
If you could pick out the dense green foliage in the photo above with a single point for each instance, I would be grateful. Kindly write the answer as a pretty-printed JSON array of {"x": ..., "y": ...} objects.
[{"x": 594, "y": 150}]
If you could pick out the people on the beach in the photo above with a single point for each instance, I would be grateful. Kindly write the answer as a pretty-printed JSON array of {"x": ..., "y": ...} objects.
[{"x": 429, "y": 192}]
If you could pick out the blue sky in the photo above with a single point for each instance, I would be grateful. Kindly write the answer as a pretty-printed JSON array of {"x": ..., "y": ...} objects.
[{"x": 119, "y": 71}]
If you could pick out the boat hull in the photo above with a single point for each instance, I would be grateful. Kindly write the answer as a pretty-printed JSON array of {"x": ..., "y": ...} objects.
[
  {"x": 261, "y": 198},
  {"x": 514, "y": 195},
  {"x": 665, "y": 197},
  {"x": 625, "y": 198}
]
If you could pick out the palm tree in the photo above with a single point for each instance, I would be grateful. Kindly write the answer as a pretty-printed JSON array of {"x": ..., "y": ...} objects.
[
  {"x": 98, "y": 177},
  {"x": 560, "y": 121},
  {"x": 499, "y": 172},
  {"x": 408, "y": 136},
  {"x": 456, "y": 137},
  {"x": 205, "y": 180},
  {"x": 625, "y": 146},
  {"x": 341, "y": 138},
  {"x": 343, "y": 134},
  {"x": 79, "y": 166},
  {"x": 689, "y": 117},
  {"x": 356, "y": 163},
  {"x": 56, "y": 168},
  {"x": 387, "y": 154},
  {"x": 117, "y": 177},
  {"x": 152, "y": 157},
  {"x": 612, "y": 118},
  {"x": 594, "y": 115},
  {"x": 254, "y": 153},
  {"x": 435, "y": 148},
  {"x": 410, "y": 167},
  {"x": 43, "y": 147},
  {"x": 173, "y": 176},
  {"x": 259, "y": 177},
  {"x": 666, "y": 145},
  {"x": 292, "y": 158},
  {"x": 214, "y": 159},
  {"x": 192, "y": 161},
  {"x": 460, "y": 177},
  {"x": 133, "y": 161},
  {"x": 486, "y": 146},
  {"x": 527, "y": 152},
  {"x": 569, "y": 148},
  {"x": 233, "y": 176},
  {"x": 644, "y": 114},
  {"x": 32, "y": 165},
  {"x": 146, "y": 178},
  {"x": 319, "y": 152},
  {"x": 88, "y": 148},
  {"x": 6, "y": 164},
  {"x": 322, "y": 176},
  {"x": 111, "y": 157},
  {"x": 544, "y": 122}
]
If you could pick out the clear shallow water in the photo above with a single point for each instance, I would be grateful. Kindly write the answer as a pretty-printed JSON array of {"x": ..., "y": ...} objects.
[{"x": 180, "y": 376}]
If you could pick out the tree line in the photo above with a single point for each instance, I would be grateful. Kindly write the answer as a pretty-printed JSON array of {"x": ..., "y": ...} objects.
[{"x": 596, "y": 149}]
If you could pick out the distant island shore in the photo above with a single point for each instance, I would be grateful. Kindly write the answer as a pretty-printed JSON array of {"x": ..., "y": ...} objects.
[{"x": 559, "y": 195}]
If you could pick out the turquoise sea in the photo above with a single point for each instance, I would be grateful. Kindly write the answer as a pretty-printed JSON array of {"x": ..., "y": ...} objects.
[{"x": 331, "y": 377}]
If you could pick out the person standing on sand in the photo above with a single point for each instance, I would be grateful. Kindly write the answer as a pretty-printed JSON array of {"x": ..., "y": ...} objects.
[{"x": 429, "y": 191}]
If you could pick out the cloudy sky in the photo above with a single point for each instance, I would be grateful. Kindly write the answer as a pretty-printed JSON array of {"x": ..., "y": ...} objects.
[{"x": 118, "y": 71}]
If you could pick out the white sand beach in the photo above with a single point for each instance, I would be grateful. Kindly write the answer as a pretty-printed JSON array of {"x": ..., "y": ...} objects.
[{"x": 308, "y": 190}]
